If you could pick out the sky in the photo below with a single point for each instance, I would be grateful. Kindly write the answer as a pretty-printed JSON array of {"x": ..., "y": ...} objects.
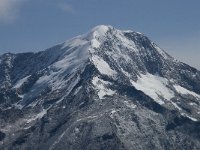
[{"x": 34, "y": 25}]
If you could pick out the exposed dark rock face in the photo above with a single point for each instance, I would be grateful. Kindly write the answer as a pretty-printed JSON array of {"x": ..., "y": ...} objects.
[{"x": 105, "y": 90}]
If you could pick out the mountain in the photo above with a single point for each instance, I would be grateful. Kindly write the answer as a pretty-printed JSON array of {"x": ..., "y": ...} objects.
[{"x": 106, "y": 89}]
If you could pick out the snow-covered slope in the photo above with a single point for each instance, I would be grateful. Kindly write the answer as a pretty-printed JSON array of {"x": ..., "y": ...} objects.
[{"x": 106, "y": 89}]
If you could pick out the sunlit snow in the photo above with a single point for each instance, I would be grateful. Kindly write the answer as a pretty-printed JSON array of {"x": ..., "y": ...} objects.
[
  {"x": 100, "y": 86},
  {"x": 154, "y": 86},
  {"x": 103, "y": 66},
  {"x": 182, "y": 90}
]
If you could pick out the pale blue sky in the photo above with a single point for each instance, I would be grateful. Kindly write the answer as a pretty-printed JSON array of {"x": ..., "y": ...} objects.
[{"x": 33, "y": 25}]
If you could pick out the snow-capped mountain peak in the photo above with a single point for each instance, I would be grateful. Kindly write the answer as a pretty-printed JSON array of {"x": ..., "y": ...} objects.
[
  {"x": 99, "y": 88},
  {"x": 100, "y": 30}
]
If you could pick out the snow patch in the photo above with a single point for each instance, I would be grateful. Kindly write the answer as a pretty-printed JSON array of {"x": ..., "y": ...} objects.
[
  {"x": 176, "y": 106},
  {"x": 95, "y": 43},
  {"x": 38, "y": 116},
  {"x": 154, "y": 86},
  {"x": 21, "y": 96},
  {"x": 20, "y": 82},
  {"x": 125, "y": 73},
  {"x": 113, "y": 111},
  {"x": 18, "y": 106},
  {"x": 100, "y": 85},
  {"x": 192, "y": 104},
  {"x": 129, "y": 104},
  {"x": 185, "y": 115},
  {"x": 76, "y": 130},
  {"x": 77, "y": 90},
  {"x": 102, "y": 66},
  {"x": 182, "y": 90}
]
